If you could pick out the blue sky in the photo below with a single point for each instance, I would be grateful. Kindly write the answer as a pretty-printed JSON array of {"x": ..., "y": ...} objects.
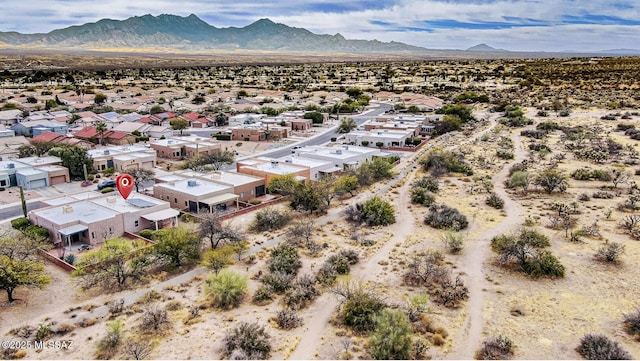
[{"x": 526, "y": 25}]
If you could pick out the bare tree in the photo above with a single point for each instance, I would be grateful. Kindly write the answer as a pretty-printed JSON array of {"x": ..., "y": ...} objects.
[
  {"x": 213, "y": 229},
  {"x": 137, "y": 349},
  {"x": 302, "y": 232}
]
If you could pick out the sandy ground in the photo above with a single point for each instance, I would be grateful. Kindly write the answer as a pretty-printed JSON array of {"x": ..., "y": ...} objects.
[{"x": 555, "y": 312}]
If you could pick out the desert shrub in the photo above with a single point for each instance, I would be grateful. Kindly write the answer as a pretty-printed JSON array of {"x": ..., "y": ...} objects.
[
  {"x": 37, "y": 232},
  {"x": 581, "y": 174},
  {"x": 284, "y": 258},
  {"x": 631, "y": 323},
  {"x": 64, "y": 328},
  {"x": 428, "y": 270},
  {"x": 439, "y": 162},
  {"x": 227, "y": 288},
  {"x": 600, "y": 347},
  {"x": 147, "y": 233},
  {"x": 327, "y": 274},
  {"x": 359, "y": 309},
  {"x": 454, "y": 242},
  {"x": 428, "y": 183},
  {"x": 116, "y": 306},
  {"x": 154, "y": 320},
  {"x": 551, "y": 180},
  {"x": 136, "y": 349},
  {"x": 378, "y": 212},
  {"x": 544, "y": 263},
  {"x": 287, "y": 319},
  {"x": 610, "y": 252},
  {"x": 419, "y": 350},
  {"x": 342, "y": 261},
  {"x": 495, "y": 201},
  {"x": 437, "y": 339},
  {"x": 391, "y": 339},
  {"x": 504, "y": 154},
  {"x": 248, "y": 341},
  {"x": 602, "y": 195},
  {"x": 496, "y": 348},
  {"x": 584, "y": 197},
  {"x": 43, "y": 331},
  {"x": 107, "y": 190},
  {"x": 301, "y": 293},
  {"x": 109, "y": 343},
  {"x": 422, "y": 196},
  {"x": 263, "y": 295},
  {"x": 20, "y": 224},
  {"x": 270, "y": 219},
  {"x": 441, "y": 216},
  {"x": 277, "y": 282},
  {"x": 535, "y": 134}
]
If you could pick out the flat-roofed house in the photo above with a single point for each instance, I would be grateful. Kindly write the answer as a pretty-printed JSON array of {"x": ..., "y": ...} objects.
[
  {"x": 267, "y": 168},
  {"x": 246, "y": 187},
  {"x": 344, "y": 157},
  {"x": 196, "y": 195}
]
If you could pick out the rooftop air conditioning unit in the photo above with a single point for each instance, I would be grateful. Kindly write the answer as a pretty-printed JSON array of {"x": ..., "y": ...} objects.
[
  {"x": 170, "y": 142},
  {"x": 338, "y": 151},
  {"x": 192, "y": 183},
  {"x": 288, "y": 161},
  {"x": 11, "y": 165},
  {"x": 111, "y": 199},
  {"x": 67, "y": 209},
  {"x": 106, "y": 152}
]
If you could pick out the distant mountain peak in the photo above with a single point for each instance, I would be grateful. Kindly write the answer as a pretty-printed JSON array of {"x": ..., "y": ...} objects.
[{"x": 482, "y": 47}]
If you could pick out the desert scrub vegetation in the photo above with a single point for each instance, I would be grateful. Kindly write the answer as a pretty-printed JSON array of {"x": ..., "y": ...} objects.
[
  {"x": 600, "y": 347},
  {"x": 247, "y": 341},
  {"x": 359, "y": 307},
  {"x": 373, "y": 212},
  {"x": 453, "y": 242},
  {"x": 525, "y": 250},
  {"x": 610, "y": 252},
  {"x": 287, "y": 319},
  {"x": 439, "y": 162},
  {"x": 227, "y": 289},
  {"x": 495, "y": 201},
  {"x": 441, "y": 216},
  {"x": 550, "y": 180},
  {"x": 422, "y": 191},
  {"x": 391, "y": 339},
  {"x": 496, "y": 348},
  {"x": 301, "y": 292},
  {"x": 270, "y": 219},
  {"x": 631, "y": 323},
  {"x": 283, "y": 265},
  {"x": 428, "y": 270},
  {"x": 514, "y": 117}
]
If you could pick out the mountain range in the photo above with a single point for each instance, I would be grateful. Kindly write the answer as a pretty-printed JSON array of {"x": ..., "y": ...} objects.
[{"x": 192, "y": 33}]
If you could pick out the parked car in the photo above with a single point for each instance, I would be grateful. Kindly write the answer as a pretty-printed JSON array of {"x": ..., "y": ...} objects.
[{"x": 105, "y": 184}]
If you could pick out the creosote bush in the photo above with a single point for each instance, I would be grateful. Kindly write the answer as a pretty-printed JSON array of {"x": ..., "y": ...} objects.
[
  {"x": 525, "y": 249},
  {"x": 247, "y": 341},
  {"x": 287, "y": 319},
  {"x": 631, "y": 323},
  {"x": 270, "y": 219},
  {"x": 359, "y": 309},
  {"x": 442, "y": 216},
  {"x": 391, "y": 339},
  {"x": 496, "y": 348},
  {"x": 373, "y": 212},
  {"x": 610, "y": 252},
  {"x": 428, "y": 270},
  {"x": 495, "y": 201},
  {"x": 600, "y": 347}
]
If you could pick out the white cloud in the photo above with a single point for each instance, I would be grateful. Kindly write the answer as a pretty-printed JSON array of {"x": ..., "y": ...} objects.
[{"x": 45, "y": 15}]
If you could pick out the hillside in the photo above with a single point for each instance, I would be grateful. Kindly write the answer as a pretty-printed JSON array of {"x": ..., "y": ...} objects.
[{"x": 192, "y": 33}]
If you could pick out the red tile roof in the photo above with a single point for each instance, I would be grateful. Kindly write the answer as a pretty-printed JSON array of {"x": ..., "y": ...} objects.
[
  {"x": 145, "y": 120},
  {"x": 191, "y": 116},
  {"x": 47, "y": 137},
  {"x": 115, "y": 135},
  {"x": 86, "y": 133}
]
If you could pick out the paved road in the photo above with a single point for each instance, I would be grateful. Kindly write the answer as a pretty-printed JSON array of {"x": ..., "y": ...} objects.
[{"x": 15, "y": 211}]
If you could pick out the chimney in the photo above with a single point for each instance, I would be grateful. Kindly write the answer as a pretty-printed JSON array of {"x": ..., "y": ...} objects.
[{"x": 67, "y": 209}]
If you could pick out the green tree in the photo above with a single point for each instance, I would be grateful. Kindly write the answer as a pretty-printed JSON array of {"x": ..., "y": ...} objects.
[
  {"x": 520, "y": 179},
  {"x": 216, "y": 259},
  {"x": 100, "y": 129},
  {"x": 285, "y": 184},
  {"x": 316, "y": 117},
  {"x": 551, "y": 180},
  {"x": 20, "y": 265},
  {"x": 347, "y": 125},
  {"x": 354, "y": 92},
  {"x": 111, "y": 267},
  {"x": 99, "y": 98},
  {"x": 221, "y": 119},
  {"x": 359, "y": 309},
  {"x": 346, "y": 184},
  {"x": 156, "y": 109},
  {"x": 463, "y": 112},
  {"x": 140, "y": 176},
  {"x": 373, "y": 171},
  {"x": 311, "y": 196},
  {"x": 74, "y": 158},
  {"x": 392, "y": 338},
  {"x": 179, "y": 124},
  {"x": 177, "y": 246},
  {"x": 227, "y": 289},
  {"x": 213, "y": 161}
]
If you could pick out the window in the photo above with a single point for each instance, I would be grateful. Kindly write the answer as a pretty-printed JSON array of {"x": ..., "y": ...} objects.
[
  {"x": 253, "y": 191},
  {"x": 136, "y": 223},
  {"x": 3, "y": 183},
  {"x": 242, "y": 195},
  {"x": 175, "y": 200},
  {"x": 93, "y": 235},
  {"x": 186, "y": 203}
]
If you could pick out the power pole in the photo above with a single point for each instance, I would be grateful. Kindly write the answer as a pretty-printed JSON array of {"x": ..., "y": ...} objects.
[{"x": 24, "y": 203}]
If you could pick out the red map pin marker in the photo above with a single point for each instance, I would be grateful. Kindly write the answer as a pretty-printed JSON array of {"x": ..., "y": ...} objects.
[{"x": 124, "y": 183}]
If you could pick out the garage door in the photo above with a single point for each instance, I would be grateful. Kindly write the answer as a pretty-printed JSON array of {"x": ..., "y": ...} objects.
[
  {"x": 59, "y": 179},
  {"x": 38, "y": 183}
]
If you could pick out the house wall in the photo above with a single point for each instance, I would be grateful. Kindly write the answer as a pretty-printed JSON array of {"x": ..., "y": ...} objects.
[
  {"x": 180, "y": 200},
  {"x": 170, "y": 152},
  {"x": 268, "y": 175},
  {"x": 31, "y": 181},
  {"x": 253, "y": 135},
  {"x": 129, "y": 139},
  {"x": 60, "y": 173}
]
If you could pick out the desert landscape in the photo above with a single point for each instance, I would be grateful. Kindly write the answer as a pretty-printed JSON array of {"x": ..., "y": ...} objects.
[{"x": 512, "y": 236}]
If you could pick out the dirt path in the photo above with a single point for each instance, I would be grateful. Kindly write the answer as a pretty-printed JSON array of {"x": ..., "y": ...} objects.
[{"x": 470, "y": 337}]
